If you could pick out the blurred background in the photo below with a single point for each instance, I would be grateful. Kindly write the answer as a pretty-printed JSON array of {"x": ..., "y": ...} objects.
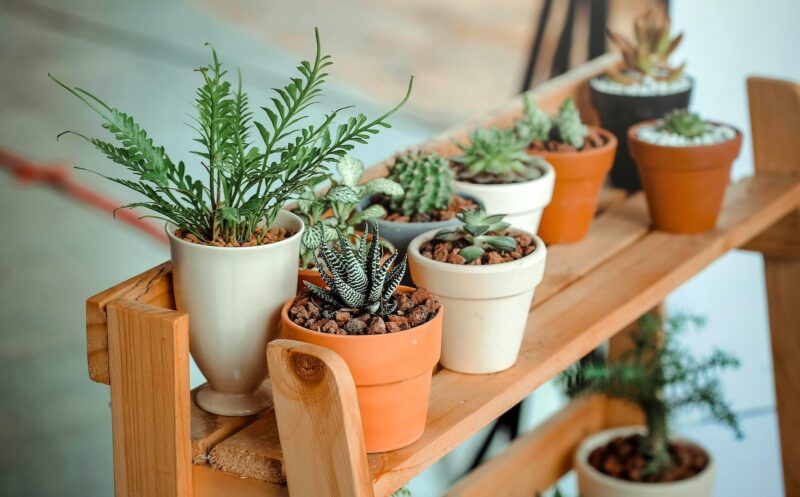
[{"x": 469, "y": 56}]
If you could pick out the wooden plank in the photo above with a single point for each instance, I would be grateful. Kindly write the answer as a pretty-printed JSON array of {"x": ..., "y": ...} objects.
[
  {"x": 775, "y": 124},
  {"x": 319, "y": 421},
  {"x": 151, "y": 287},
  {"x": 210, "y": 429},
  {"x": 210, "y": 482},
  {"x": 254, "y": 452},
  {"x": 149, "y": 361},
  {"x": 538, "y": 459},
  {"x": 781, "y": 240}
]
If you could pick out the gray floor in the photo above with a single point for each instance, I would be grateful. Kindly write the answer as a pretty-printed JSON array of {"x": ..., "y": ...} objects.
[{"x": 55, "y": 424}]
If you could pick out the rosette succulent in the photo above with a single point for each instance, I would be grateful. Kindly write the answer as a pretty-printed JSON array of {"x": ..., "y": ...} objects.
[
  {"x": 684, "y": 123},
  {"x": 481, "y": 231},
  {"x": 496, "y": 155}
]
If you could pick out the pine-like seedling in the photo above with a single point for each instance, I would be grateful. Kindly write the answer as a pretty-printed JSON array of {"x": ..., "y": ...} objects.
[
  {"x": 659, "y": 377},
  {"x": 426, "y": 180}
]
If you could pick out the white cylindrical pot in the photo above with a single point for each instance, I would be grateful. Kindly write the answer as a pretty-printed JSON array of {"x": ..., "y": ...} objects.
[
  {"x": 593, "y": 483},
  {"x": 233, "y": 296},
  {"x": 522, "y": 203},
  {"x": 487, "y": 306}
]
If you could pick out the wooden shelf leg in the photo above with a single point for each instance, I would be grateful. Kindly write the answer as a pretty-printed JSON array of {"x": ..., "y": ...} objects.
[
  {"x": 150, "y": 401},
  {"x": 318, "y": 421}
]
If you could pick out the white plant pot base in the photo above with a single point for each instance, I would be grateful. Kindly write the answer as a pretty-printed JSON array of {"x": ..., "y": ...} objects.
[{"x": 233, "y": 404}]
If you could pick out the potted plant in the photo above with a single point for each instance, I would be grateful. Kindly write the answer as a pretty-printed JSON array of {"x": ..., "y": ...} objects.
[
  {"x": 685, "y": 164},
  {"x": 389, "y": 335},
  {"x": 645, "y": 87},
  {"x": 427, "y": 198},
  {"x": 485, "y": 273},
  {"x": 495, "y": 170},
  {"x": 234, "y": 249},
  {"x": 336, "y": 211},
  {"x": 659, "y": 377},
  {"x": 581, "y": 157}
]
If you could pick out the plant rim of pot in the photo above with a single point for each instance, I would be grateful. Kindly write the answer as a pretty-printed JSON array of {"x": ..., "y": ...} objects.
[
  {"x": 170, "y": 229},
  {"x": 417, "y": 224},
  {"x": 601, "y": 438},
  {"x": 633, "y": 135},
  {"x": 633, "y": 96},
  {"x": 547, "y": 172},
  {"x": 610, "y": 141}
]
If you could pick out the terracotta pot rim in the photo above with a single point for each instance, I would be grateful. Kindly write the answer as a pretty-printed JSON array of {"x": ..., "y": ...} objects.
[
  {"x": 611, "y": 141},
  {"x": 345, "y": 338},
  {"x": 630, "y": 430},
  {"x": 633, "y": 137},
  {"x": 170, "y": 228}
]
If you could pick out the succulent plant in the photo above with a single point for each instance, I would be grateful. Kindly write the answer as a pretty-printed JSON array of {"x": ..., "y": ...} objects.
[
  {"x": 426, "y": 180},
  {"x": 356, "y": 279},
  {"x": 341, "y": 200},
  {"x": 569, "y": 126},
  {"x": 649, "y": 55},
  {"x": 480, "y": 231},
  {"x": 684, "y": 123},
  {"x": 535, "y": 124},
  {"x": 495, "y": 154}
]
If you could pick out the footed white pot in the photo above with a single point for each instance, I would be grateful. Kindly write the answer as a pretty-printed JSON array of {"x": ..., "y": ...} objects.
[
  {"x": 593, "y": 483},
  {"x": 487, "y": 306},
  {"x": 233, "y": 296},
  {"x": 522, "y": 203}
]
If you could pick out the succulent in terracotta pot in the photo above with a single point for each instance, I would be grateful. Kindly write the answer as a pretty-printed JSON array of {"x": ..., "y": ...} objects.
[
  {"x": 234, "y": 249},
  {"x": 645, "y": 86},
  {"x": 389, "y": 335},
  {"x": 659, "y": 377},
  {"x": 495, "y": 169},
  {"x": 684, "y": 162},
  {"x": 485, "y": 273},
  {"x": 581, "y": 157}
]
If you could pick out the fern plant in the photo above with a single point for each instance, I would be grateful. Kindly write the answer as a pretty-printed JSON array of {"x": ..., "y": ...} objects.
[
  {"x": 659, "y": 377},
  {"x": 341, "y": 202},
  {"x": 496, "y": 155},
  {"x": 246, "y": 184},
  {"x": 480, "y": 231},
  {"x": 684, "y": 123},
  {"x": 426, "y": 181},
  {"x": 356, "y": 279}
]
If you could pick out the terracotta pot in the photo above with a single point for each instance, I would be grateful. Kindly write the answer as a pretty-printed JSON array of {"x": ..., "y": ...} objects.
[
  {"x": 593, "y": 483},
  {"x": 310, "y": 275},
  {"x": 522, "y": 203},
  {"x": 392, "y": 374},
  {"x": 620, "y": 112},
  {"x": 579, "y": 177},
  {"x": 233, "y": 296},
  {"x": 684, "y": 185},
  {"x": 487, "y": 306}
]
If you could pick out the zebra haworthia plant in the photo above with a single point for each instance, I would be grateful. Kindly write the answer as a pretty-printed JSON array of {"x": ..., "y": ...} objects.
[
  {"x": 247, "y": 185},
  {"x": 481, "y": 232},
  {"x": 356, "y": 278}
]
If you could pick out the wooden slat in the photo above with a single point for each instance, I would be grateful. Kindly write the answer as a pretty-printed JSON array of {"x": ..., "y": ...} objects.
[
  {"x": 210, "y": 429},
  {"x": 210, "y": 482},
  {"x": 254, "y": 452},
  {"x": 319, "y": 421},
  {"x": 781, "y": 240},
  {"x": 149, "y": 361},
  {"x": 774, "y": 124},
  {"x": 151, "y": 287},
  {"x": 538, "y": 459}
]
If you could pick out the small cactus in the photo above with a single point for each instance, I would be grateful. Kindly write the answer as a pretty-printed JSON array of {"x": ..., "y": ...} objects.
[
  {"x": 649, "y": 55},
  {"x": 480, "y": 231},
  {"x": 496, "y": 155},
  {"x": 427, "y": 182},
  {"x": 684, "y": 123},
  {"x": 568, "y": 123},
  {"x": 535, "y": 124}
]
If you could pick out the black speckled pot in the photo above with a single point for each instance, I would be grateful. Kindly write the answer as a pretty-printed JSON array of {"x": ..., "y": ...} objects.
[{"x": 620, "y": 112}]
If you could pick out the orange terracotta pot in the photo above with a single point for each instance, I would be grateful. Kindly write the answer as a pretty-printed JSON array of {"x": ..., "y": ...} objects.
[
  {"x": 392, "y": 374},
  {"x": 579, "y": 178},
  {"x": 310, "y": 275},
  {"x": 684, "y": 185}
]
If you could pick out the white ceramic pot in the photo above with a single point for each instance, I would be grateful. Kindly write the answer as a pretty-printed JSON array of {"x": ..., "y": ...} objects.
[
  {"x": 487, "y": 306},
  {"x": 522, "y": 203},
  {"x": 593, "y": 483},
  {"x": 233, "y": 296}
]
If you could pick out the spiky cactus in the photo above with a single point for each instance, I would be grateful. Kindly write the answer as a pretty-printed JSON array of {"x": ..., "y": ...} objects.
[
  {"x": 568, "y": 123},
  {"x": 496, "y": 155},
  {"x": 356, "y": 279},
  {"x": 480, "y": 231},
  {"x": 684, "y": 123},
  {"x": 535, "y": 124},
  {"x": 659, "y": 377},
  {"x": 427, "y": 182},
  {"x": 648, "y": 56}
]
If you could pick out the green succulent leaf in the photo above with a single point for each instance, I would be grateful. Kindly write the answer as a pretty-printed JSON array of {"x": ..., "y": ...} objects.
[{"x": 471, "y": 253}]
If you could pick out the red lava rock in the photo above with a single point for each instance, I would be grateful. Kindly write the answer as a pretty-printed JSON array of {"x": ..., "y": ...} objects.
[
  {"x": 404, "y": 302},
  {"x": 376, "y": 326},
  {"x": 355, "y": 327},
  {"x": 418, "y": 315},
  {"x": 330, "y": 326},
  {"x": 445, "y": 251},
  {"x": 392, "y": 327},
  {"x": 457, "y": 204},
  {"x": 341, "y": 317},
  {"x": 420, "y": 295},
  {"x": 455, "y": 259}
]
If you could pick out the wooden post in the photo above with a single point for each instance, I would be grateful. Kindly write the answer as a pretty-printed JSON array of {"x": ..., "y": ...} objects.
[
  {"x": 319, "y": 423},
  {"x": 775, "y": 126},
  {"x": 150, "y": 410}
]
